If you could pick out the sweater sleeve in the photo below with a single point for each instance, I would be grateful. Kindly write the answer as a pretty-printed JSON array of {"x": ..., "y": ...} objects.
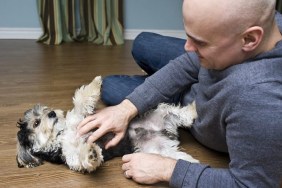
[
  {"x": 176, "y": 76},
  {"x": 191, "y": 175},
  {"x": 254, "y": 140}
]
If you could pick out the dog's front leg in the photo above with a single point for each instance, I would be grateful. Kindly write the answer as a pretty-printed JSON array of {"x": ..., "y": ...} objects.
[
  {"x": 87, "y": 96},
  {"x": 90, "y": 156},
  {"x": 79, "y": 155}
]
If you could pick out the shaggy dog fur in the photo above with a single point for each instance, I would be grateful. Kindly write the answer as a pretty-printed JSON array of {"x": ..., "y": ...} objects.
[{"x": 45, "y": 134}]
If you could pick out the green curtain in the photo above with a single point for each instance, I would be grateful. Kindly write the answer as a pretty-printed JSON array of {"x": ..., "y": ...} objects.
[
  {"x": 98, "y": 21},
  {"x": 279, "y": 5}
]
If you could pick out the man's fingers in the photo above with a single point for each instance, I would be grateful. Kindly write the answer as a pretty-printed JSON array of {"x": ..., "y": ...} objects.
[
  {"x": 114, "y": 141},
  {"x": 125, "y": 166},
  {"x": 85, "y": 121},
  {"x": 126, "y": 158},
  {"x": 96, "y": 135}
]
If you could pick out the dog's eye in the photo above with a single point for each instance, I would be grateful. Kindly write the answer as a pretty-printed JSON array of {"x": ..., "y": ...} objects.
[{"x": 36, "y": 123}]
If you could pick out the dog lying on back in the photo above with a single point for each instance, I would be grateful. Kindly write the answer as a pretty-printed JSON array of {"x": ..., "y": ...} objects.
[{"x": 46, "y": 135}]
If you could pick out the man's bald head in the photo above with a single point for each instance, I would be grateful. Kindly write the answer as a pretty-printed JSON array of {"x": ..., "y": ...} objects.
[
  {"x": 251, "y": 13},
  {"x": 235, "y": 15}
]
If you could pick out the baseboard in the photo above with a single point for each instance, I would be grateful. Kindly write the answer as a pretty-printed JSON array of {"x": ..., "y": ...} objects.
[
  {"x": 35, "y": 33},
  {"x": 20, "y": 33}
]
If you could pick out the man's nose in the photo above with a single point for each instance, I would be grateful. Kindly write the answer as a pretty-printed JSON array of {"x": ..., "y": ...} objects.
[{"x": 190, "y": 46}]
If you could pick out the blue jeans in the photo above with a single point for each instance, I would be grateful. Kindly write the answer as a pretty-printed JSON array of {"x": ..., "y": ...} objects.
[{"x": 151, "y": 52}]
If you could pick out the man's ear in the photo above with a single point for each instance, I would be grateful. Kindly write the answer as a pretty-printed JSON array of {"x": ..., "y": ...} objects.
[{"x": 252, "y": 37}]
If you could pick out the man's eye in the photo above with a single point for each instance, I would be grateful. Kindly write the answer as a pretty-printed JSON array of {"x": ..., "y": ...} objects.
[
  {"x": 199, "y": 43},
  {"x": 36, "y": 123}
]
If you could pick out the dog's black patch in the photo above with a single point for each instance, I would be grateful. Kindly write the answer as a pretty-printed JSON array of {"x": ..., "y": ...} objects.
[
  {"x": 21, "y": 124},
  {"x": 23, "y": 134},
  {"x": 51, "y": 156},
  {"x": 169, "y": 134},
  {"x": 124, "y": 146},
  {"x": 169, "y": 123},
  {"x": 29, "y": 160},
  {"x": 141, "y": 132}
]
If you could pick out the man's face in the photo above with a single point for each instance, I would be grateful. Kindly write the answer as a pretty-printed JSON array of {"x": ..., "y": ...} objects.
[{"x": 216, "y": 46}]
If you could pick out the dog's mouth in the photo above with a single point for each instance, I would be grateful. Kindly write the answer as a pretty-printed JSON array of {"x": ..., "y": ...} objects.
[{"x": 55, "y": 121}]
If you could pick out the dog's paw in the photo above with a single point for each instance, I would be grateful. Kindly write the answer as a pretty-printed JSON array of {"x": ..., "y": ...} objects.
[
  {"x": 87, "y": 96},
  {"x": 73, "y": 162},
  {"x": 92, "y": 158},
  {"x": 87, "y": 158},
  {"x": 187, "y": 115},
  {"x": 192, "y": 110},
  {"x": 185, "y": 156}
]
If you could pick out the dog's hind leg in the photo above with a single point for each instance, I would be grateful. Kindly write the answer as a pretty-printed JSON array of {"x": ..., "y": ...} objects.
[
  {"x": 172, "y": 151},
  {"x": 179, "y": 116},
  {"x": 159, "y": 143},
  {"x": 176, "y": 154},
  {"x": 174, "y": 117}
]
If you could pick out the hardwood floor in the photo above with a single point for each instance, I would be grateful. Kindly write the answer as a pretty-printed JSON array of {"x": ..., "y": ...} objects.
[{"x": 33, "y": 73}]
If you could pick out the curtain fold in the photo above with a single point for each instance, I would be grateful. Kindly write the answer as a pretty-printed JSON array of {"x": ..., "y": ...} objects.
[
  {"x": 279, "y": 5},
  {"x": 96, "y": 21}
]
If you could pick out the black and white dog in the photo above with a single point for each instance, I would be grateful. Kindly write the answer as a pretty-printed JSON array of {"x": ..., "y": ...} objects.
[{"x": 45, "y": 134}]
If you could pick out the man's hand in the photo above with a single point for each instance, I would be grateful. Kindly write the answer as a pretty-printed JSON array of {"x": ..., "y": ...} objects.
[
  {"x": 111, "y": 119},
  {"x": 148, "y": 168}
]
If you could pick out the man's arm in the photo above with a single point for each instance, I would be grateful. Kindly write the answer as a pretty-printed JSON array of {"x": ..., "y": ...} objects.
[{"x": 176, "y": 76}]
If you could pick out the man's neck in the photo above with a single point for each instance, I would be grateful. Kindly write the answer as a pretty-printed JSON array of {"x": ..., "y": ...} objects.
[{"x": 272, "y": 39}]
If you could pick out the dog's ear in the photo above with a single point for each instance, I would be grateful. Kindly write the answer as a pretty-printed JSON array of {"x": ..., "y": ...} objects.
[{"x": 24, "y": 155}]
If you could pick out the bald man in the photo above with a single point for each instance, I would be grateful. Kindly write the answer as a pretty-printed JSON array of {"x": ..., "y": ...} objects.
[{"x": 232, "y": 68}]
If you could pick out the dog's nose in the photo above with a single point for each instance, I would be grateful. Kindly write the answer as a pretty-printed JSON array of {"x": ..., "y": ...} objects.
[{"x": 52, "y": 114}]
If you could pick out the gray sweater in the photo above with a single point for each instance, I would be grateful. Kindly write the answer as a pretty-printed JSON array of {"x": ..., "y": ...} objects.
[{"x": 239, "y": 112}]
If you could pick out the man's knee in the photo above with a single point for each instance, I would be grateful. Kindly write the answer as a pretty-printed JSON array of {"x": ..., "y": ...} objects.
[
  {"x": 141, "y": 44},
  {"x": 109, "y": 91},
  {"x": 116, "y": 87}
]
